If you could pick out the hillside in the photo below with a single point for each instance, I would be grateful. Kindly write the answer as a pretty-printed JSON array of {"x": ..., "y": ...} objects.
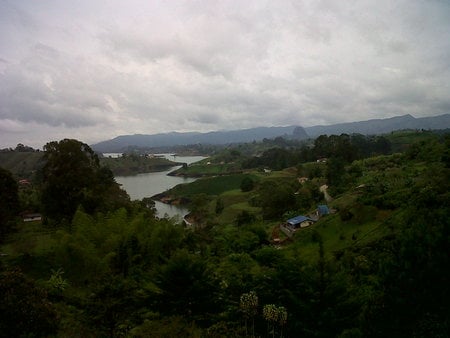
[
  {"x": 375, "y": 266},
  {"x": 21, "y": 164}
]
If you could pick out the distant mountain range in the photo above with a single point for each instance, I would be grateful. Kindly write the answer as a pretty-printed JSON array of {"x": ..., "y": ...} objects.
[
  {"x": 370, "y": 127},
  {"x": 121, "y": 143},
  {"x": 382, "y": 126}
]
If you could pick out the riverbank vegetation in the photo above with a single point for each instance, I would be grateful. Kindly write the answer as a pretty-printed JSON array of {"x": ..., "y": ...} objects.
[
  {"x": 376, "y": 266},
  {"x": 25, "y": 164},
  {"x": 134, "y": 163}
]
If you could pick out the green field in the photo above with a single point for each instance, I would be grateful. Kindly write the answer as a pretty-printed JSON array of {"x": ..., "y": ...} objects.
[
  {"x": 135, "y": 164},
  {"x": 210, "y": 185},
  {"x": 202, "y": 168}
]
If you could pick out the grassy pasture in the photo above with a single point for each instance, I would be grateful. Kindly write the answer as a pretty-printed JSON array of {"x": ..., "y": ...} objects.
[{"x": 210, "y": 185}]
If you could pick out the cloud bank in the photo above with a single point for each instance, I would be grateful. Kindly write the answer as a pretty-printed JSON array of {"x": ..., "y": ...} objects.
[{"x": 93, "y": 70}]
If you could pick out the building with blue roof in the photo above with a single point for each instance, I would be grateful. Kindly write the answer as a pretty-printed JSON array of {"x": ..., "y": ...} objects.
[
  {"x": 299, "y": 222},
  {"x": 322, "y": 210}
]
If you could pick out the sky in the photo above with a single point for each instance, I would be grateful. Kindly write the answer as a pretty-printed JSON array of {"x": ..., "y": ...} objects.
[{"x": 93, "y": 70}]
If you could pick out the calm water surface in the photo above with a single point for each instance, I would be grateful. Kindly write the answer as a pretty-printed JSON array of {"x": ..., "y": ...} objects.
[{"x": 149, "y": 184}]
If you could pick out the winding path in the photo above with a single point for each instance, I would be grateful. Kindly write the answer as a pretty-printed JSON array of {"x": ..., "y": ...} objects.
[{"x": 326, "y": 195}]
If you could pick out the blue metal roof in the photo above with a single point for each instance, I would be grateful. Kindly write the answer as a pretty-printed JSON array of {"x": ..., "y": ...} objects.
[
  {"x": 298, "y": 219},
  {"x": 323, "y": 209}
]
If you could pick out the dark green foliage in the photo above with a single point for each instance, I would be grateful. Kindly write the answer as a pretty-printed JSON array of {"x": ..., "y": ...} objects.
[
  {"x": 219, "y": 206},
  {"x": 275, "y": 158},
  {"x": 244, "y": 217},
  {"x": 247, "y": 184},
  {"x": 304, "y": 198},
  {"x": 9, "y": 199},
  {"x": 415, "y": 273},
  {"x": 346, "y": 147},
  {"x": 199, "y": 205},
  {"x": 350, "y": 147},
  {"x": 132, "y": 164},
  {"x": 167, "y": 327},
  {"x": 276, "y": 199},
  {"x": 25, "y": 310},
  {"x": 23, "y": 148},
  {"x": 111, "y": 306},
  {"x": 22, "y": 165},
  {"x": 446, "y": 152},
  {"x": 335, "y": 171},
  {"x": 72, "y": 176},
  {"x": 187, "y": 287}
]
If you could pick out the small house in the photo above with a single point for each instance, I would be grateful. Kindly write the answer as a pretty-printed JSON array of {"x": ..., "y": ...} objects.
[
  {"x": 322, "y": 210},
  {"x": 299, "y": 222},
  {"x": 31, "y": 217}
]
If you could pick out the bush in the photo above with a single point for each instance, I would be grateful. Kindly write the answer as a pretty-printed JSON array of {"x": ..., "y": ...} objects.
[
  {"x": 247, "y": 184},
  {"x": 24, "y": 308}
]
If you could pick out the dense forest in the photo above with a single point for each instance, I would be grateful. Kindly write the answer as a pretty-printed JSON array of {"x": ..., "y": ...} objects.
[{"x": 101, "y": 265}]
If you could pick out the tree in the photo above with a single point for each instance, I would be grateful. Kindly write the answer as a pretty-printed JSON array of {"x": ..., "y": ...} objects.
[
  {"x": 199, "y": 205},
  {"x": 276, "y": 199},
  {"x": 244, "y": 217},
  {"x": 249, "y": 306},
  {"x": 72, "y": 176},
  {"x": 22, "y": 148},
  {"x": 111, "y": 306},
  {"x": 335, "y": 171},
  {"x": 275, "y": 315},
  {"x": 9, "y": 198},
  {"x": 247, "y": 184},
  {"x": 219, "y": 206},
  {"x": 187, "y": 287}
]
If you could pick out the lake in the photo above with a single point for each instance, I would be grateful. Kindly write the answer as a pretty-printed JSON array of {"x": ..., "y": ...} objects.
[{"x": 150, "y": 184}]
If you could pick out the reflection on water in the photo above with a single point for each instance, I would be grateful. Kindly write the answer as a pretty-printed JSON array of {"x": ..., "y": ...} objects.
[
  {"x": 170, "y": 210},
  {"x": 150, "y": 184}
]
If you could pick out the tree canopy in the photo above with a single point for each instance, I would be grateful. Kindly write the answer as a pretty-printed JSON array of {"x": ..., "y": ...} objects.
[{"x": 73, "y": 177}]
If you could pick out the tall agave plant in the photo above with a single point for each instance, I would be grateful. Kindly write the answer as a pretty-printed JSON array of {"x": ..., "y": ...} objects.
[
  {"x": 274, "y": 315},
  {"x": 249, "y": 306}
]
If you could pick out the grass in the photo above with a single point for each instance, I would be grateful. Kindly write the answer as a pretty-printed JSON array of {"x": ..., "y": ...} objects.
[
  {"x": 202, "y": 169},
  {"x": 336, "y": 235},
  {"x": 234, "y": 205},
  {"x": 210, "y": 185},
  {"x": 132, "y": 165}
]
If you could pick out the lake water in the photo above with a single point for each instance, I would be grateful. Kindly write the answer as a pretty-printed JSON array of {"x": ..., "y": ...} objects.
[{"x": 150, "y": 184}]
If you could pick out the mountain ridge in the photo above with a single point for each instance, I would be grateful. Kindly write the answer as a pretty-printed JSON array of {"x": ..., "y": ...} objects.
[
  {"x": 120, "y": 143},
  {"x": 380, "y": 126},
  {"x": 367, "y": 127}
]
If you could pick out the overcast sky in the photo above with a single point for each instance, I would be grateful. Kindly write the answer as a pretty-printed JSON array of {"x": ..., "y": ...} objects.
[{"x": 93, "y": 70}]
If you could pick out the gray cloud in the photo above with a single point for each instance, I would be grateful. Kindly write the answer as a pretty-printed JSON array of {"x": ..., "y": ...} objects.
[{"x": 95, "y": 71}]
